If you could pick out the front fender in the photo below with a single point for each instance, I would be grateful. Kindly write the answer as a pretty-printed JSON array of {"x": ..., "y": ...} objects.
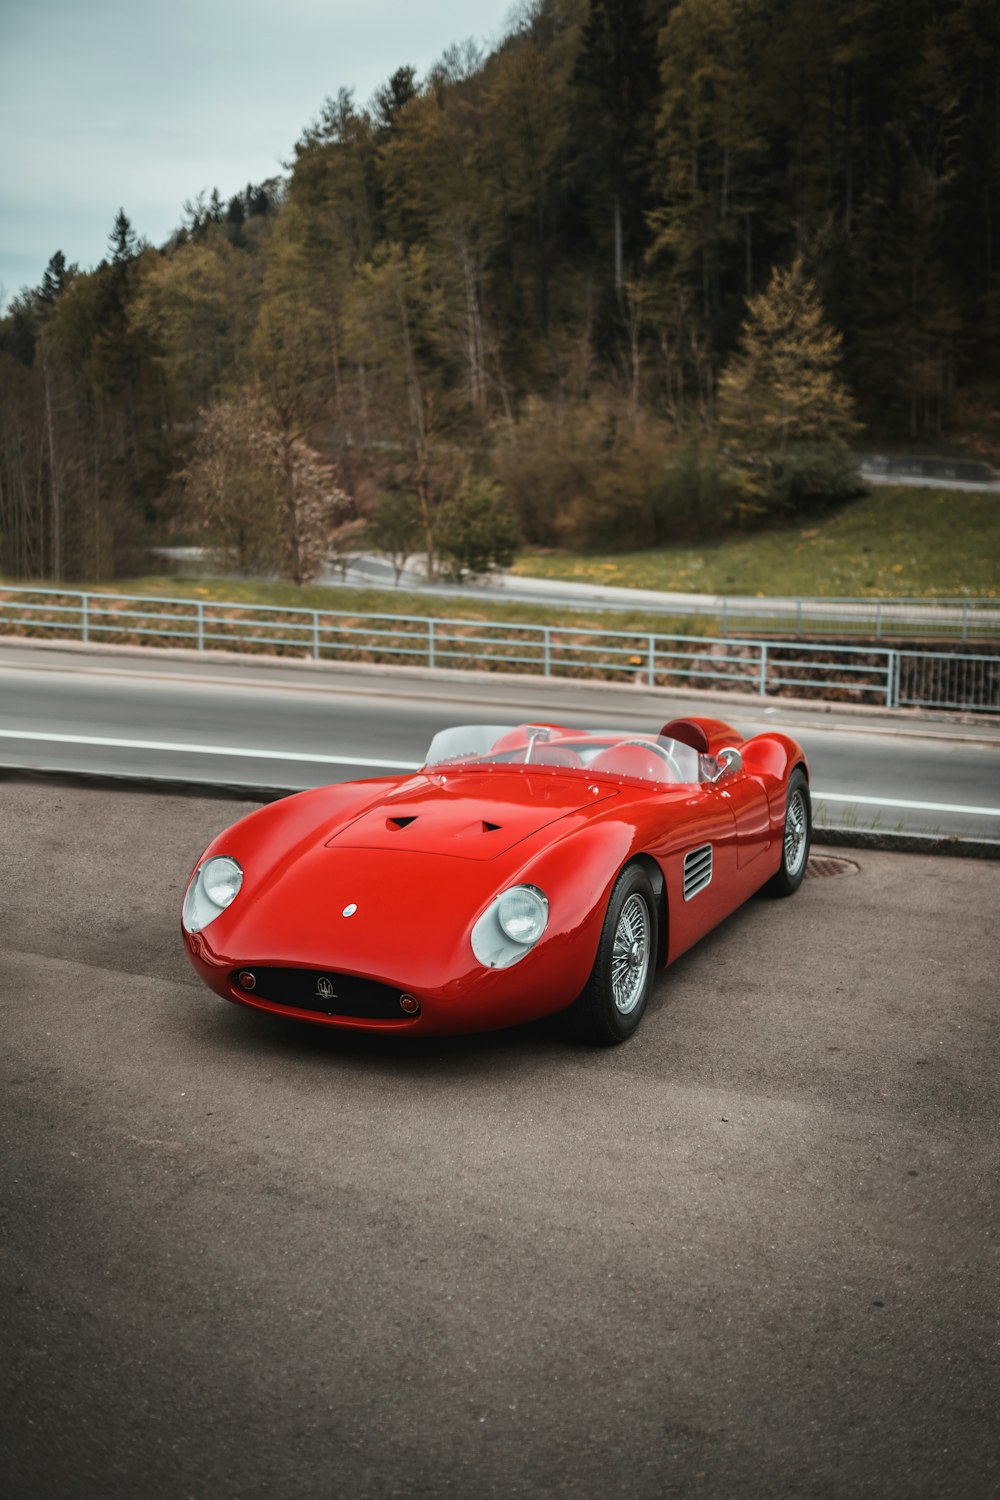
[{"x": 578, "y": 875}]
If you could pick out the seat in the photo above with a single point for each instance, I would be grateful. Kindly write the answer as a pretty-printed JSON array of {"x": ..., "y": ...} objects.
[
  {"x": 556, "y": 755},
  {"x": 687, "y": 732},
  {"x": 632, "y": 760}
]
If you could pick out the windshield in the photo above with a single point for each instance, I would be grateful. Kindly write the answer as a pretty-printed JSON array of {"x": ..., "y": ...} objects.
[{"x": 613, "y": 752}]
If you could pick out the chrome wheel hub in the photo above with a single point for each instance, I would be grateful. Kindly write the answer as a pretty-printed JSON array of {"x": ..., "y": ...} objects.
[
  {"x": 796, "y": 830},
  {"x": 630, "y": 957}
]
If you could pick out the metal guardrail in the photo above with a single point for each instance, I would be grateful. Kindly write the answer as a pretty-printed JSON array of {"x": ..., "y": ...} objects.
[
  {"x": 890, "y": 619},
  {"x": 874, "y": 674}
]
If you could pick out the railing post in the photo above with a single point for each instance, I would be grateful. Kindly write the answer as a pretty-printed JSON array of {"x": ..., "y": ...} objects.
[
  {"x": 547, "y": 645},
  {"x": 763, "y": 668},
  {"x": 652, "y": 661},
  {"x": 85, "y": 619},
  {"x": 798, "y": 617},
  {"x": 878, "y": 620},
  {"x": 890, "y": 680},
  {"x": 430, "y": 644},
  {"x": 316, "y": 634},
  {"x": 201, "y": 625}
]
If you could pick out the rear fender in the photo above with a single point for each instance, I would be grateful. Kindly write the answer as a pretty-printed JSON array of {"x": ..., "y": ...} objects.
[{"x": 771, "y": 759}]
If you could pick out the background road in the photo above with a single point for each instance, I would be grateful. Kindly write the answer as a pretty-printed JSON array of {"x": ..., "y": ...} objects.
[
  {"x": 288, "y": 726},
  {"x": 752, "y": 1253}
]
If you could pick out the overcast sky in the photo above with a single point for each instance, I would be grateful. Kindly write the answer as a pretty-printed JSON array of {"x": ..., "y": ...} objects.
[{"x": 144, "y": 103}]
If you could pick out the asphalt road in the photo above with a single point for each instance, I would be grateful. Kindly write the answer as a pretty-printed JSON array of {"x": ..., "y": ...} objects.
[
  {"x": 234, "y": 721},
  {"x": 753, "y": 1253}
]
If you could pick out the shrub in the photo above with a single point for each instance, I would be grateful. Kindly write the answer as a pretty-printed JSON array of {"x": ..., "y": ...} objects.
[
  {"x": 694, "y": 496},
  {"x": 475, "y": 532},
  {"x": 815, "y": 477},
  {"x": 584, "y": 473}
]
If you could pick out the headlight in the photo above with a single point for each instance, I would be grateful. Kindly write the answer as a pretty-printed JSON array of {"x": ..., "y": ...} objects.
[
  {"x": 510, "y": 926},
  {"x": 214, "y": 886},
  {"x": 522, "y": 913}
]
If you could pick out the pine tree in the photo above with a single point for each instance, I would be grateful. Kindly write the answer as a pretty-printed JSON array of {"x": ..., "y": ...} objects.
[
  {"x": 122, "y": 240},
  {"x": 784, "y": 387},
  {"x": 57, "y": 273},
  {"x": 394, "y": 96}
]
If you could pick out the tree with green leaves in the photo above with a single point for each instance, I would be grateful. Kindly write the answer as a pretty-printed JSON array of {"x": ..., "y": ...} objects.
[
  {"x": 196, "y": 307},
  {"x": 784, "y": 408},
  {"x": 614, "y": 93},
  {"x": 784, "y": 387},
  {"x": 56, "y": 277},
  {"x": 707, "y": 140},
  {"x": 393, "y": 323},
  {"x": 395, "y": 528},
  {"x": 122, "y": 241},
  {"x": 476, "y": 532}
]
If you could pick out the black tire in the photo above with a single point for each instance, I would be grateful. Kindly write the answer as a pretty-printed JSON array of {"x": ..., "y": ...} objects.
[
  {"x": 796, "y": 836},
  {"x": 600, "y": 1014}
]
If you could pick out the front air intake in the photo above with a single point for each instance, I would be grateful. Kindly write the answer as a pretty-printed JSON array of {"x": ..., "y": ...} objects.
[{"x": 697, "y": 870}]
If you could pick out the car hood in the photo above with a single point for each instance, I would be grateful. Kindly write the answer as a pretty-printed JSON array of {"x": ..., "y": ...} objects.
[
  {"x": 397, "y": 902},
  {"x": 468, "y": 815},
  {"x": 400, "y": 918}
]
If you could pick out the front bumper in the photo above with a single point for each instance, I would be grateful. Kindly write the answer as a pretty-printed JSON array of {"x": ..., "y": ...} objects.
[{"x": 546, "y": 980}]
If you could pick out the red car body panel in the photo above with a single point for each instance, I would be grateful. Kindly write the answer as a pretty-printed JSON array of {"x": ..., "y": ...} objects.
[{"x": 420, "y": 857}]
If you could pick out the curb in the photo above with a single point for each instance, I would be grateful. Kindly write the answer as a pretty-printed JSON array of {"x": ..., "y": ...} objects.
[
  {"x": 906, "y": 843},
  {"x": 166, "y": 786},
  {"x": 238, "y": 791}
]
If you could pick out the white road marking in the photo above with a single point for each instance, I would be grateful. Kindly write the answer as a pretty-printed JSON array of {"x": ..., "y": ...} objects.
[
  {"x": 243, "y": 753},
  {"x": 235, "y": 750},
  {"x": 953, "y": 807}
]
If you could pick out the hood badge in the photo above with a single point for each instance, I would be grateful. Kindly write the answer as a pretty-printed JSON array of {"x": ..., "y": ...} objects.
[
  {"x": 350, "y": 910},
  {"x": 324, "y": 988}
]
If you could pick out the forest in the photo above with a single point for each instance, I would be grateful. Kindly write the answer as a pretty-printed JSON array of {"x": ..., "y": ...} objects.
[{"x": 647, "y": 270}]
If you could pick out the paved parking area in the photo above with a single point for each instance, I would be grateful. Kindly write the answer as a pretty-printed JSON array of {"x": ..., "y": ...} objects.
[{"x": 751, "y": 1253}]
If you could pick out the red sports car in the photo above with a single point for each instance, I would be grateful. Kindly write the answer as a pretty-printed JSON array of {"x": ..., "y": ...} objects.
[{"x": 522, "y": 871}]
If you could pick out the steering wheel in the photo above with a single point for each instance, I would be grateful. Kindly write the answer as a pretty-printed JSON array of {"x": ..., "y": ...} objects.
[{"x": 660, "y": 750}]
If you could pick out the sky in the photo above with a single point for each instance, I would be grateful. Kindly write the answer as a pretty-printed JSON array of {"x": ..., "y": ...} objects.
[{"x": 142, "y": 104}]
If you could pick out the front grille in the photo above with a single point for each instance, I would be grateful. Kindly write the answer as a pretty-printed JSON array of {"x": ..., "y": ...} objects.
[
  {"x": 302, "y": 989},
  {"x": 697, "y": 870}
]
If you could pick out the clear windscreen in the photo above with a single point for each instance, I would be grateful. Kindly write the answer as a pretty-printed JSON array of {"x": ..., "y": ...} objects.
[{"x": 615, "y": 752}]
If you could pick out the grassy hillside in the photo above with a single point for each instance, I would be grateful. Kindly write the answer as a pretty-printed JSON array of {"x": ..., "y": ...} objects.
[{"x": 898, "y": 541}]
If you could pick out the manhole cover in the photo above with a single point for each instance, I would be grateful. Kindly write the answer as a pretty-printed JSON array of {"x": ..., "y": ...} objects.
[{"x": 820, "y": 865}]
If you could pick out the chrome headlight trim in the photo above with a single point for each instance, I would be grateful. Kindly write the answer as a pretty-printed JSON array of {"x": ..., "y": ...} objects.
[
  {"x": 522, "y": 913},
  {"x": 510, "y": 926},
  {"x": 214, "y": 886}
]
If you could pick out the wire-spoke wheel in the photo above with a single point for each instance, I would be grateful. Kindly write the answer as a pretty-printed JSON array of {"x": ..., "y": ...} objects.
[
  {"x": 630, "y": 959},
  {"x": 796, "y": 837},
  {"x": 614, "y": 998}
]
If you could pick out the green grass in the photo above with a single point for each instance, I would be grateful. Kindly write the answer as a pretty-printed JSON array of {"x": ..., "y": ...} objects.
[
  {"x": 384, "y": 602},
  {"x": 896, "y": 542}
]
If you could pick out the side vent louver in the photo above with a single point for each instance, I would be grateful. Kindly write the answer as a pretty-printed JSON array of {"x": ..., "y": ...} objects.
[{"x": 697, "y": 870}]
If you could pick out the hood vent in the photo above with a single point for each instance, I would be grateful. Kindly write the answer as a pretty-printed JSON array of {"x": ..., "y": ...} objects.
[
  {"x": 697, "y": 870},
  {"x": 468, "y": 815}
]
